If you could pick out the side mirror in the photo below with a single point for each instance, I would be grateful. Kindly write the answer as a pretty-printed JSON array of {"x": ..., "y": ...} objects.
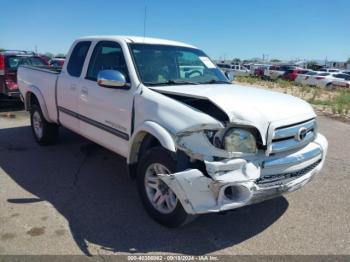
[
  {"x": 111, "y": 79},
  {"x": 230, "y": 76}
]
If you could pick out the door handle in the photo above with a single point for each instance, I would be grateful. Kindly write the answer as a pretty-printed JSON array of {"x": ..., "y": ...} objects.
[
  {"x": 84, "y": 91},
  {"x": 73, "y": 87}
]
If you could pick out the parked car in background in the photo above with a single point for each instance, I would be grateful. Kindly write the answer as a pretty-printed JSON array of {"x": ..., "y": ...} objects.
[
  {"x": 325, "y": 79},
  {"x": 258, "y": 69},
  {"x": 56, "y": 63},
  {"x": 277, "y": 71},
  {"x": 224, "y": 67},
  {"x": 329, "y": 70},
  {"x": 248, "y": 66},
  {"x": 45, "y": 58},
  {"x": 9, "y": 62},
  {"x": 342, "y": 81},
  {"x": 195, "y": 143},
  {"x": 239, "y": 70},
  {"x": 292, "y": 74},
  {"x": 346, "y": 72},
  {"x": 236, "y": 70},
  {"x": 303, "y": 77}
]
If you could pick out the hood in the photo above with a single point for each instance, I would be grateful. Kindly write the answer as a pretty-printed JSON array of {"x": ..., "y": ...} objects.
[{"x": 248, "y": 105}]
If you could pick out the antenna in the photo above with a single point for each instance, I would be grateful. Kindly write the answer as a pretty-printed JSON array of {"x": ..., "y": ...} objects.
[{"x": 144, "y": 21}]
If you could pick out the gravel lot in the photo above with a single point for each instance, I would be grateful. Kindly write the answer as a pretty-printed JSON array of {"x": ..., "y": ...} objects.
[{"x": 76, "y": 198}]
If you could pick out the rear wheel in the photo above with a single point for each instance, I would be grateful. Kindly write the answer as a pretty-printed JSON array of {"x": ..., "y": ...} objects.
[
  {"x": 45, "y": 133},
  {"x": 160, "y": 201}
]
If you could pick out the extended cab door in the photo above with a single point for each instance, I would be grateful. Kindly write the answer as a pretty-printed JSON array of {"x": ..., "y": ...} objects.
[
  {"x": 68, "y": 86},
  {"x": 106, "y": 113}
]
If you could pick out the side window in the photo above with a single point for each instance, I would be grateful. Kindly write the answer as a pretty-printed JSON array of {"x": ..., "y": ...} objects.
[
  {"x": 107, "y": 55},
  {"x": 339, "y": 75},
  {"x": 77, "y": 58}
]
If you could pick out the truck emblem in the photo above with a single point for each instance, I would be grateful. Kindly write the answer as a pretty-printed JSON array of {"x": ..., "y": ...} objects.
[{"x": 301, "y": 134}]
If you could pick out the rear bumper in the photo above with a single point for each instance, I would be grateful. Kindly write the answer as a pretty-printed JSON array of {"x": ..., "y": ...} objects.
[
  {"x": 235, "y": 183},
  {"x": 11, "y": 92}
]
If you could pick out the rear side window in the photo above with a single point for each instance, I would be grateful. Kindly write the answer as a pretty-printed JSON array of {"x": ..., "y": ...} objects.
[
  {"x": 341, "y": 76},
  {"x": 77, "y": 58},
  {"x": 311, "y": 73}
]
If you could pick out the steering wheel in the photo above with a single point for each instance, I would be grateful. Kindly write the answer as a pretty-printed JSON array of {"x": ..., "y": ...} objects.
[{"x": 194, "y": 72}]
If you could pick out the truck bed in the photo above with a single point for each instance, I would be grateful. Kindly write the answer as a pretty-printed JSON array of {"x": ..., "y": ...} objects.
[
  {"x": 47, "y": 69},
  {"x": 42, "y": 82}
]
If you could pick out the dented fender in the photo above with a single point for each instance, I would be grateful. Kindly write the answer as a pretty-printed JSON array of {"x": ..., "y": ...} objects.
[
  {"x": 156, "y": 130},
  {"x": 233, "y": 183},
  {"x": 201, "y": 194}
]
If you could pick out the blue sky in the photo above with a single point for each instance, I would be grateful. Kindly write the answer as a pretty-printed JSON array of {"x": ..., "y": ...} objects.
[{"x": 310, "y": 29}]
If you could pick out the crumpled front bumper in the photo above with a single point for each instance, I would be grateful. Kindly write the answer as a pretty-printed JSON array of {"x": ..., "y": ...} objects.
[{"x": 235, "y": 183}]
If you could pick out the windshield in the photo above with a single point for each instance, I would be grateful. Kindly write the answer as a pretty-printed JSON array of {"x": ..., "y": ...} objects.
[{"x": 170, "y": 65}]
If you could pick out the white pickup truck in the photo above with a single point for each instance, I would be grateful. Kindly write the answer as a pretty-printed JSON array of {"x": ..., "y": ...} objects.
[{"x": 195, "y": 142}]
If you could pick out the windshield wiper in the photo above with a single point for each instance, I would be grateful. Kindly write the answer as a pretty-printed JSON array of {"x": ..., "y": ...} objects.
[
  {"x": 214, "y": 81},
  {"x": 171, "y": 82}
]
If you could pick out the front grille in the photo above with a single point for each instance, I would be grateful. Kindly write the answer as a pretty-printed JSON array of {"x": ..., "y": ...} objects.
[
  {"x": 289, "y": 137},
  {"x": 282, "y": 178}
]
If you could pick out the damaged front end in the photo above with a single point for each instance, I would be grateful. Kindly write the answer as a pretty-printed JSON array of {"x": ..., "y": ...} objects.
[{"x": 228, "y": 179}]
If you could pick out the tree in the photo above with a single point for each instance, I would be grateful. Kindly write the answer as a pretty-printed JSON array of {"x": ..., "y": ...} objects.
[
  {"x": 60, "y": 55},
  {"x": 348, "y": 61},
  {"x": 275, "y": 60},
  {"x": 48, "y": 54},
  {"x": 312, "y": 62},
  {"x": 1, "y": 49},
  {"x": 313, "y": 65},
  {"x": 236, "y": 61}
]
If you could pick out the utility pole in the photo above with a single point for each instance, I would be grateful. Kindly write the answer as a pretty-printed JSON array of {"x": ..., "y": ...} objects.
[{"x": 265, "y": 57}]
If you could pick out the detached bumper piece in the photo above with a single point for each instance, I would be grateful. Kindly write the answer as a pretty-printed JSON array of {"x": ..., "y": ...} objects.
[{"x": 235, "y": 183}]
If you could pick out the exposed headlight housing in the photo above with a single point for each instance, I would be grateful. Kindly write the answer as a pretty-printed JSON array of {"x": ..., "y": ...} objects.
[{"x": 239, "y": 140}]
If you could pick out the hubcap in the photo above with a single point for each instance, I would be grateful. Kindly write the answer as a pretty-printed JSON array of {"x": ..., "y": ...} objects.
[
  {"x": 159, "y": 194},
  {"x": 37, "y": 125}
]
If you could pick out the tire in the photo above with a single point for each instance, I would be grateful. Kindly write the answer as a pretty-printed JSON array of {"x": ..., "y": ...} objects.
[
  {"x": 175, "y": 216},
  {"x": 45, "y": 133}
]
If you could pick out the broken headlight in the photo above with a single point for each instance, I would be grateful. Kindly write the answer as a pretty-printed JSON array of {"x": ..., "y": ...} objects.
[{"x": 239, "y": 140}]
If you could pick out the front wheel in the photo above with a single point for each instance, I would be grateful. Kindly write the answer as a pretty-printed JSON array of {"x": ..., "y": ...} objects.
[
  {"x": 160, "y": 201},
  {"x": 45, "y": 133}
]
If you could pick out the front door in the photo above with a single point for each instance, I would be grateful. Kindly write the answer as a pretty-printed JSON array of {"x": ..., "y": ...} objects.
[{"x": 106, "y": 113}]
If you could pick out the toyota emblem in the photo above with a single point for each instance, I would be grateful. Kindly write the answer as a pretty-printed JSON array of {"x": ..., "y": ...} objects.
[{"x": 301, "y": 133}]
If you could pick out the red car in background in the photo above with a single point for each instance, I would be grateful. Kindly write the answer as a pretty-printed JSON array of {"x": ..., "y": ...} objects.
[
  {"x": 292, "y": 74},
  {"x": 9, "y": 62},
  {"x": 56, "y": 63}
]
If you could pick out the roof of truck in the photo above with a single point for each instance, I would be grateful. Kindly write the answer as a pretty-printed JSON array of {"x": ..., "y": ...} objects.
[{"x": 136, "y": 39}]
